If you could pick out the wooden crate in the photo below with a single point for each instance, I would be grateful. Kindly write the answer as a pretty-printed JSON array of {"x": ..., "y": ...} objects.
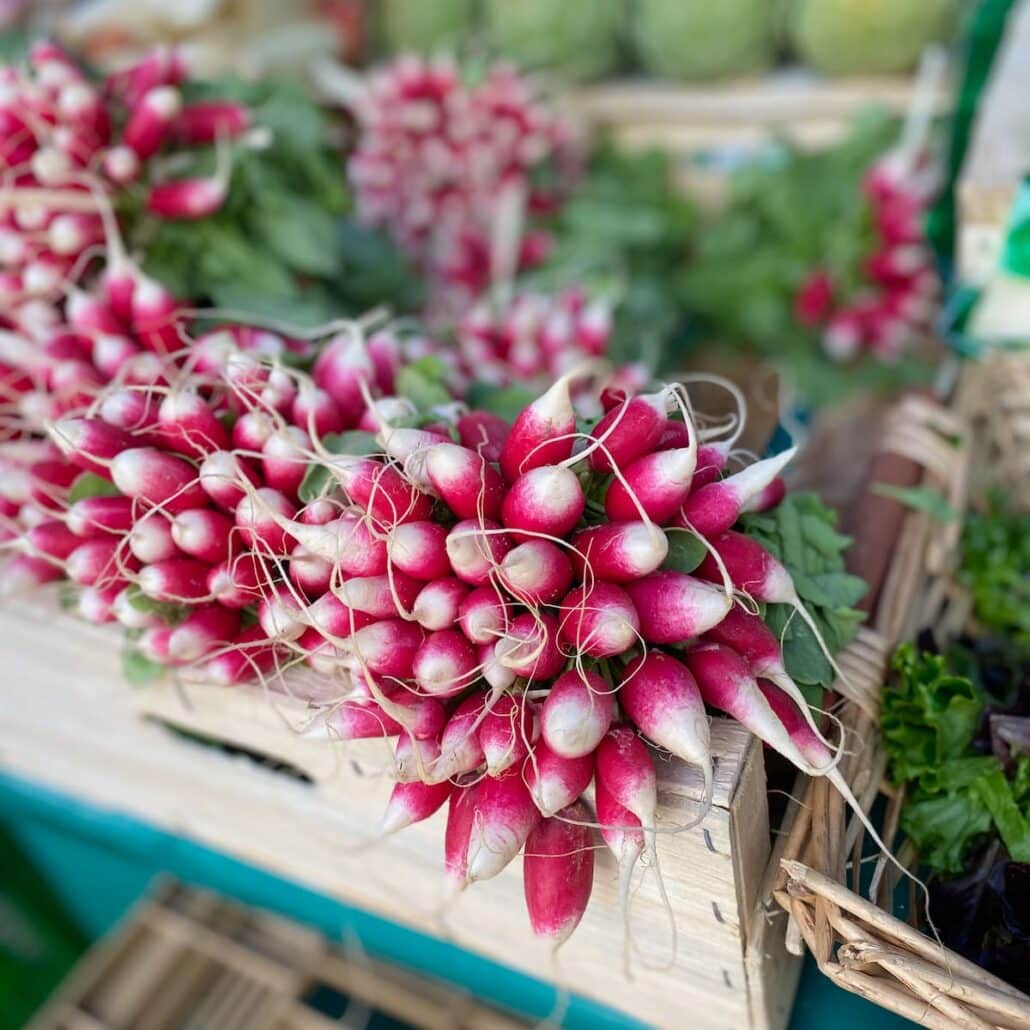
[
  {"x": 999, "y": 153},
  {"x": 70, "y": 722},
  {"x": 711, "y": 128},
  {"x": 185, "y": 958}
]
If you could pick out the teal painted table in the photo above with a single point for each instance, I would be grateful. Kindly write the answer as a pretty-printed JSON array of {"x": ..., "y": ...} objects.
[{"x": 100, "y": 862}]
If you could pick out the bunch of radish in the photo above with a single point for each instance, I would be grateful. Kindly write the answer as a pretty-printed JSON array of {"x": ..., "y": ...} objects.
[
  {"x": 893, "y": 304},
  {"x": 68, "y": 146},
  {"x": 444, "y": 166}
]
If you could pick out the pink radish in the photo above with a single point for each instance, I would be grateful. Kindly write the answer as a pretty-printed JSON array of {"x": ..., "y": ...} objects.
[
  {"x": 619, "y": 551},
  {"x": 505, "y": 817},
  {"x": 628, "y": 431},
  {"x": 131, "y": 614},
  {"x": 186, "y": 423},
  {"x": 188, "y": 198},
  {"x": 110, "y": 354},
  {"x": 281, "y": 614},
  {"x": 484, "y": 615},
  {"x": 251, "y": 431},
  {"x": 558, "y": 873},
  {"x": 460, "y": 750},
  {"x": 460, "y": 815},
  {"x": 151, "y": 120},
  {"x": 260, "y": 517},
  {"x": 439, "y": 603},
  {"x": 620, "y": 830},
  {"x": 554, "y": 780},
  {"x": 97, "y": 562},
  {"x": 381, "y": 491},
  {"x": 210, "y": 120},
  {"x": 530, "y": 647},
  {"x": 673, "y": 607},
  {"x": 506, "y": 733},
  {"x": 285, "y": 459},
  {"x": 309, "y": 573},
  {"x": 382, "y": 596},
  {"x": 714, "y": 508},
  {"x": 711, "y": 460},
  {"x": 237, "y": 583},
  {"x": 483, "y": 432},
  {"x": 388, "y": 647},
  {"x": 769, "y": 497},
  {"x": 599, "y": 620},
  {"x": 315, "y": 411},
  {"x": 26, "y": 572},
  {"x": 90, "y": 443},
  {"x": 542, "y": 434},
  {"x": 150, "y": 539},
  {"x": 222, "y": 477},
  {"x": 546, "y": 500},
  {"x": 158, "y": 478},
  {"x": 625, "y": 767},
  {"x": 155, "y": 317},
  {"x": 133, "y": 410},
  {"x": 204, "y": 534},
  {"x": 536, "y": 572},
  {"x": 412, "y": 759},
  {"x": 93, "y": 515},
  {"x": 498, "y": 675},
  {"x": 350, "y": 542},
  {"x": 445, "y": 664},
  {"x": 753, "y": 570},
  {"x": 342, "y": 369},
  {"x": 153, "y": 644},
  {"x": 412, "y": 802},
  {"x": 577, "y": 713},
  {"x": 658, "y": 483},
  {"x": 359, "y": 720},
  {"x": 181, "y": 580},
  {"x": 419, "y": 549},
  {"x": 333, "y": 618},
  {"x": 469, "y": 486},
  {"x": 204, "y": 630},
  {"x": 250, "y": 656},
  {"x": 476, "y": 549},
  {"x": 96, "y": 604},
  {"x": 661, "y": 697},
  {"x": 53, "y": 540}
]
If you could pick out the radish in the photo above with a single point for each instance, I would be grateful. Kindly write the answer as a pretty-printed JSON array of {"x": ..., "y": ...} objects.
[
  {"x": 188, "y": 198},
  {"x": 712, "y": 509},
  {"x": 381, "y": 596},
  {"x": 530, "y": 647},
  {"x": 542, "y": 434},
  {"x": 656, "y": 484},
  {"x": 150, "y": 539},
  {"x": 469, "y": 486},
  {"x": 53, "y": 539},
  {"x": 358, "y": 720},
  {"x": 210, "y": 120},
  {"x": 769, "y": 497},
  {"x": 204, "y": 534},
  {"x": 93, "y": 515},
  {"x": 619, "y": 551},
  {"x": 577, "y": 713},
  {"x": 381, "y": 491},
  {"x": 250, "y": 432},
  {"x": 90, "y": 443},
  {"x": 151, "y": 120},
  {"x": 483, "y": 432},
  {"x": 281, "y": 614},
  {"x": 96, "y": 604},
  {"x": 493, "y": 670},
  {"x": 673, "y": 607},
  {"x": 504, "y": 817},
  {"x": 157, "y": 478},
  {"x": 624, "y": 766},
  {"x": 316, "y": 412},
  {"x": 753, "y": 570},
  {"x": 26, "y": 572},
  {"x": 546, "y": 500},
  {"x": 508, "y": 729},
  {"x": 537, "y": 572},
  {"x": 475, "y": 549},
  {"x": 153, "y": 644},
  {"x": 236, "y": 583},
  {"x": 554, "y": 780},
  {"x": 284, "y": 459},
  {"x": 349, "y": 542},
  {"x": 460, "y": 816},
  {"x": 599, "y": 620},
  {"x": 205, "y": 629},
  {"x": 133, "y": 410},
  {"x": 628, "y": 431},
  {"x": 620, "y": 830},
  {"x": 419, "y": 549},
  {"x": 343, "y": 369},
  {"x": 388, "y": 647},
  {"x": 98, "y": 562},
  {"x": 558, "y": 873},
  {"x": 182, "y": 580},
  {"x": 412, "y": 802},
  {"x": 660, "y": 695},
  {"x": 249, "y": 656},
  {"x": 711, "y": 460},
  {"x": 311, "y": 574},
  {"x": 439, "y": 603},
  {"x": 186, "y": 423},
  {"x": 445, "y": 664},
  {"x": 331, "y": 617},
  {"x": 155, "y": 317},
  {"x": 484, "y": 615},
  {"x": 460, "y": 750},
  {"x": 132, "y": 615},
  {"x": 260, "y": 517},
  {"x": 222, "y": 476}
]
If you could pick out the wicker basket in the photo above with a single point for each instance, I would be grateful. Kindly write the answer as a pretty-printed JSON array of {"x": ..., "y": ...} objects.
[{"x": 856, "y": 942}]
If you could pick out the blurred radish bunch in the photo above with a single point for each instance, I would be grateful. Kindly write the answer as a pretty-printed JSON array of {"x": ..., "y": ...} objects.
[{"x": 453, "y": 172}]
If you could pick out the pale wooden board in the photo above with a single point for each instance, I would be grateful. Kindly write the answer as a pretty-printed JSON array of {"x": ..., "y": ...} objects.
[
  {"x": 999, "y": 152},
  {"x": 69, "y": 721}
]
